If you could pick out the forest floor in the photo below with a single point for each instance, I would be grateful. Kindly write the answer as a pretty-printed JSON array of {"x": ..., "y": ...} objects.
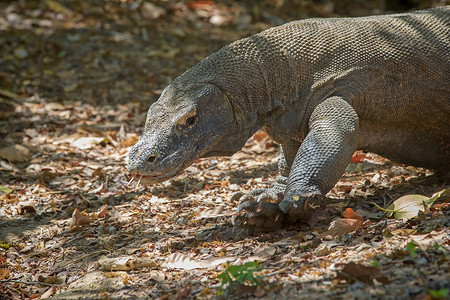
[{"x": 76, "y": 80}]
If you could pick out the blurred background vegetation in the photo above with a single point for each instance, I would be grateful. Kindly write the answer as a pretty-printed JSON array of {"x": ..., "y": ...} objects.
[{"x": 120, "y": 51}]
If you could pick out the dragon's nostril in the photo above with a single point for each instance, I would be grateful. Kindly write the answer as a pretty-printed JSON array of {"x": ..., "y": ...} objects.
[{"x": 151, "y": 158}]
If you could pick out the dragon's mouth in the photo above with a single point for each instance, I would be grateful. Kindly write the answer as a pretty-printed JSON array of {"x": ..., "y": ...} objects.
[
  {"x": 154, "y": 178},
  {"x": 158, "y": 177}
]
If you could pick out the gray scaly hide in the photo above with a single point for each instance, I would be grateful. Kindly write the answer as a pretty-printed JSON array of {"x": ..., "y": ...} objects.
[{"x": 322, "y": 88}]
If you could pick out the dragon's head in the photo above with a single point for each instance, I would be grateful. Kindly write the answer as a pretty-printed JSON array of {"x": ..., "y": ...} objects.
[{"x": 187, "y": 122}]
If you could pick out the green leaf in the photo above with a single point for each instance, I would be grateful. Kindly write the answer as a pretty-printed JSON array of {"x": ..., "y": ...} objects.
[
  {"x": 241, "y": 278},
  {"x": 251, "y": 264},
  {"x": 411, "y": 248},
  {"x": 234, "y": 270},
  {"x": 439, "y": 294},
  {"x": 242, "y": 274},
  {"x": 5, "y": 189},
  {"x": 383, "y": 209},
  {"x": 225, "y": 278},
  {"x": 375, "y": 263},
  {"x": 432, "y": 199}
]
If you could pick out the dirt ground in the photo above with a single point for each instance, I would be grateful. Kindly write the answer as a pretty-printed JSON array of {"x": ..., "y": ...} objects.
[{"x": 76, "y": 80}]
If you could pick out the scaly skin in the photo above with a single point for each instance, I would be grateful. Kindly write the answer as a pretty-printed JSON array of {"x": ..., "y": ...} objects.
[{"x": 322, "y": 88}]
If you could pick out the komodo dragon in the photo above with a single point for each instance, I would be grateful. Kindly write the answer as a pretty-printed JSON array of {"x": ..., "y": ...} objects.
[{"x": 322, "y": 88}]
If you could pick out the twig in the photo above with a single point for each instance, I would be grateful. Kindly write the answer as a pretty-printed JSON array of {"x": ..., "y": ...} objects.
[
  {"x": 138, "y": 183},
  {"x": 31, "y": 282},
  {"x": 392, "y": 199},
  {"x": 52, "y": 192},
  {"x": 275, "y": 272},
  {"x": 83, "y": 257},
  {"x": 214, "y": 286},
  {"x": 131, "y": 180}
]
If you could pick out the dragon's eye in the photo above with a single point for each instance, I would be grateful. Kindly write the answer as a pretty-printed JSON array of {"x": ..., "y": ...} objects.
[
  {"x": 188, "y": 119},
  {"x": 191, "y": 121}
]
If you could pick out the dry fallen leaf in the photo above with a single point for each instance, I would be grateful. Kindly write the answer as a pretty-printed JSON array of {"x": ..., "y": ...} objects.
[
  {"x": 50, "y": 292},
  {"x": 262, "y": 253},
  {"x": 27, "y": 207},
  {"x": 408, "y": 206},
  {"x": 80, "y": 219},
  {"x": 184, "y": 293},
  {"x": 259, "y": 292},
  {"x": 260, "y": 136},
  {"x": 426, "y": 240},
  {"x": 4, "y": 274},
  {"x": 340, "y": 227},
  {"x": 104, "y": 213},
  {"x": 126, "y": 263},
  {"x": 5, "y": 189},
  {"x": 58, "y": 7},
  {"x": 403, "y": 232},
  {"x": 352, "y": 222},
  {"x": 359, "y": 157},
  {"x": 16, "y": 153},
  {"x": 130, "y": 141},
  {"x": 186, "y": 262},
  {"x": 220, "y": 211},
  {"x": 353, "y": 271},
  {"x": 351, "y": 214},
  {"x": 87, "y": 142}
]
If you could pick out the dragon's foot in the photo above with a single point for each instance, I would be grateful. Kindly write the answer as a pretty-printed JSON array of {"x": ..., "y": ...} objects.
[
  {"x": 295, "y": 206},
  {"x": 259, "y": 210},
  {"x": 268, "y": 209}
]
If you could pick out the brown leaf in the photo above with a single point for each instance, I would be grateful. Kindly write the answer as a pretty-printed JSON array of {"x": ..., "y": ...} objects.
[
  {"x": 27, "y": 208},
  {"x": 243, "y": 289},
  {"x": 259, "y": 292},
  {"x": 262, "y": 253},
  {"x": 352, "y": 222},
  {"x": 353, "y": 271},
  {"x": 359, "y": 157},
  {"x": 104, "y": 213},
  {"x": 340, "y": 227},
  {"x": 16, "y": 153},
  {"x": 426, "y": 240},
  {"x": 50, "y": 292},
  {"x": 260, "y": 136},
  {"x": 351, "y": 214},
  {"x": 4, "y": 274},
  {"x": 80, "y": 219},
  {"x": 184, "y": 293},
  {"x": 130, "y": 141}
]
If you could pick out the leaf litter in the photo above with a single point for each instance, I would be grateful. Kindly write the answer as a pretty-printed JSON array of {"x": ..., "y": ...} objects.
[{"x": 70, "y": 227}]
